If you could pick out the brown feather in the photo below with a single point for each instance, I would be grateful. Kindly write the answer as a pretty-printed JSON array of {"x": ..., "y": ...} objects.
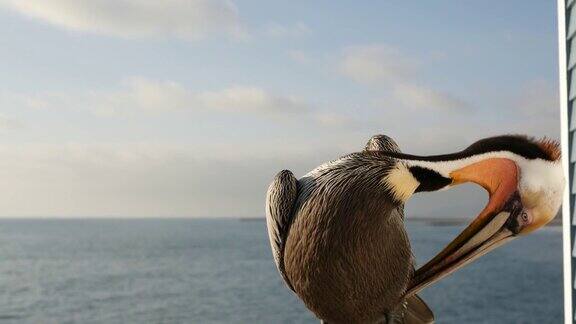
[{"x": 550, "y": 147}]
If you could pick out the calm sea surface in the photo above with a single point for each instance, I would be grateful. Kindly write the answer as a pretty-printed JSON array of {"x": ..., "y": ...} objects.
[{"x": 221, "y": 271}]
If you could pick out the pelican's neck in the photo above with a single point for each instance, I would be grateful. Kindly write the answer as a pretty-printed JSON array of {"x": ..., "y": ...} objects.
[{"x": 430, "y": 173}]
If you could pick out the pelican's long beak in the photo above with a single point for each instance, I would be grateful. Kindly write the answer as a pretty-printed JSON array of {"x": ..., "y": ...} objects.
[{"x": 499, "y": 222}]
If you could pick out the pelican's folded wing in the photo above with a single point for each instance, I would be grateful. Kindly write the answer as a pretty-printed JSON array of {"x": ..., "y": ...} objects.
[{"x": 280, "y": 200}]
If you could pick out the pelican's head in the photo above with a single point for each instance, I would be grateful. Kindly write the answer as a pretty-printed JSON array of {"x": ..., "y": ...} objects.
[
  {"x": 519, "y": 173},
  {"x": 525, "y": 182}
]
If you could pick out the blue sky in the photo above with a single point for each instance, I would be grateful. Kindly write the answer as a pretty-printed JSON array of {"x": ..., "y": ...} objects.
[{"x": 188, "y": 108}]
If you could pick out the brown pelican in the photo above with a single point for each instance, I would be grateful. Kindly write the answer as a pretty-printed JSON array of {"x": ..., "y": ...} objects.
[{"x": 338, "y": 236}]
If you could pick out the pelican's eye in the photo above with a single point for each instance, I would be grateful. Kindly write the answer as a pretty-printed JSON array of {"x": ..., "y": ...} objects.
[
  {"x": 519, "y": 219},
  {"x": 525, "y": 218}
]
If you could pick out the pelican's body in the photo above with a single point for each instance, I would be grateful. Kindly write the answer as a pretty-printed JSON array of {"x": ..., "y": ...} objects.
[
  {"x": 339, "y": 240},
  {"x": 347, "y": 253}
]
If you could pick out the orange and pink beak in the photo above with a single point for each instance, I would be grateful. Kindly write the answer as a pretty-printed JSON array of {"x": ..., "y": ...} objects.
[{"x": 499, "y": 222}]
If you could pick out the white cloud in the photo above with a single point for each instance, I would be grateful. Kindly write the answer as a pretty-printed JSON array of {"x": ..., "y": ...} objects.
[
  {"x": 387, "y": 67},
  {"x": 141, "y": 179},
  {"x": 434, "y": 120},
  {"x": 138, "y": 95},
  {"x": 420, "y": 97},
  {"x": 186, "y": 19},
  {"x": 249, "y": 99},
  {"x": 376, "y": 63},
  {"x": 297, "y": 30}
]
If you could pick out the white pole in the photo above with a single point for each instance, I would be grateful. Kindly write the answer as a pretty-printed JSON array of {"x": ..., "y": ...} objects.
[{"x": 564, "y": 136}]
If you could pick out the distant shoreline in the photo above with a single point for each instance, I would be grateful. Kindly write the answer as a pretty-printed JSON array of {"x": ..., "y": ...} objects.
[{"x": 557, "y": 221}]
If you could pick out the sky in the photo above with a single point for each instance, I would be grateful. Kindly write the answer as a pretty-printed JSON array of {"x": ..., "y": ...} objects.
[{"x": 188, "y": 108}]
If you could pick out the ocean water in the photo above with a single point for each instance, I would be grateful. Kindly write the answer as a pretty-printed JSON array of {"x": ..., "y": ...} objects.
[{"x": 221, "y": 271}]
